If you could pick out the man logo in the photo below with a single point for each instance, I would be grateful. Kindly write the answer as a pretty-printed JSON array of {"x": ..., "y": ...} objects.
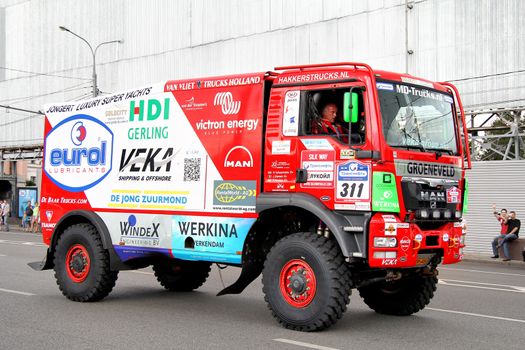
[
  {"x": 228, "y": 105},
  {"x": 238, "y": 157}
]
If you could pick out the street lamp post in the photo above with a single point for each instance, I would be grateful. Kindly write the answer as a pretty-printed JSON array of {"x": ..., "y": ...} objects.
[{"x": 93, "y": 53}]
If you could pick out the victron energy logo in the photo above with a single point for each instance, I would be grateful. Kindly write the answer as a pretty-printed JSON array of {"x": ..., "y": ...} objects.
[
  {"x": 78, "y": 153},
  {"x": 228, "y": 105}
]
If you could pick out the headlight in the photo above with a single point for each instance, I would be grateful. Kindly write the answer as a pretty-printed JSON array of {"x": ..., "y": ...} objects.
[{"x": 385, "y": 242}]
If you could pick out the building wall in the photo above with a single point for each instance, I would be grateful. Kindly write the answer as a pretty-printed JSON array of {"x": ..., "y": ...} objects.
[
  {"x": 498, "y": 182},
  {"x": 459, "y": 40}
]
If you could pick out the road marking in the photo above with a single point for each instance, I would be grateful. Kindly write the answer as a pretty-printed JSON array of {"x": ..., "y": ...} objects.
[
  {"x": 483, "y": 284},
  {"x": 516, "y": 290},
  {"x": 141, "y": 272},
  {"x": 32, "y": 244},
  {"x": 476, "y": 315},
  {"x": 481, "y": 271},
  {"x": 306, "y": 345},
  {"x": 16, "y": 292}
]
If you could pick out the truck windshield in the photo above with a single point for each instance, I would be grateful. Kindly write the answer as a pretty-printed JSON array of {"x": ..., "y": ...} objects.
[{"x": 416, "y": 117}]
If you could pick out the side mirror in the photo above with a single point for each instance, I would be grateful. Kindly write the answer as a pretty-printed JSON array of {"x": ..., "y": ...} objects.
[{"x": 351, "y": 107}]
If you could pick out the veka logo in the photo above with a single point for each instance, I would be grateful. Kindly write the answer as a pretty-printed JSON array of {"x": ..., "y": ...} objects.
[
  {"x": 148, "y": 158},
  {"x": 78, "y": 153},
  {"x": 228, "y": 105},
  {"x": 238, "y": 157},
  {"x": 153, "y": 108}
]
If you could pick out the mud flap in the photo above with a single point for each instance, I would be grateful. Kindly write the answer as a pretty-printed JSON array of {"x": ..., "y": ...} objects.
[
  {"x": 250, "y": 271},
  {"x": 41, "y": 265}
]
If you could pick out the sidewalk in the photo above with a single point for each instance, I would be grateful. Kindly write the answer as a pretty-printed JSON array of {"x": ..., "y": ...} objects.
[{"x": 473, "y": 257}]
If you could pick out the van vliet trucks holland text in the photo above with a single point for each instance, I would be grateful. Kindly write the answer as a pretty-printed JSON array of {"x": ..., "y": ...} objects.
[{"x": 232, "y": 170}]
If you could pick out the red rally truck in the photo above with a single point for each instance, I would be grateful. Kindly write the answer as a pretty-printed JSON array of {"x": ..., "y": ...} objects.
[{"x": 235, "y": 170}]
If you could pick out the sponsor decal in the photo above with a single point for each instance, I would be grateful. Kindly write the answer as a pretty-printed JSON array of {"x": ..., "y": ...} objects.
[
  {"x": 48, "y": 224},
  {"x": 214, "y": 83},
  {"x": 148, "y": 199},
  {"x": 385, "y": 86},
  {"x": 404, "y": 243},
  {"x": 403, "y": 225},
  {"x": 320, "y": 168},
  {"x": 49, "y": 215},
  {"x": 317, "y": 144},
  {"x": 238, "y": 157},
  {"x": 132, "y": 233},
  {"x": 291, "y": 113},
  {"x": 417, "y": 82},
  {"x": 78, "y": 153},
  {"x": 453, "y": 195},
  {"x": 389, "y": 218},
  {"x": 384, "y": 192},
  {"x": 427, "y": 169},
  {"x": 228, "y": 105},
  {"x": 137, "y": 161},
  {"x": 234, "y": 195},
  {"x": 226, "y": 127},
  {"x": 191, "y": 105},
  {"x": 279, "y": 164},
  {"x": 362, "y": 206},
  {"x": 388, "y": 262},
  {"x": 62, "y": 200},
  {"x": 307, "y": 77},
  {"x": 390, "y": 229},
  {"x": 148, "y": 111},
  {"x": 281, "y": 147},
  {"x": 347, "y": 154},
  {"x": 209, "y": 238}
]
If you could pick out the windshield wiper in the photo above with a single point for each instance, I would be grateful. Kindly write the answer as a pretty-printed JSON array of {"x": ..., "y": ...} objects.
[
  {"x": 439, "y": 151},
  {"x": 419, "y": 147}
]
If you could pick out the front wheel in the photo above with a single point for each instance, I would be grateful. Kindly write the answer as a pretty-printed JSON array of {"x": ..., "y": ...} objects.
[
  {"x": 306, "y": 282},
  {"x": 82, "y": 265},
  {"x": 401, "y": 298}
]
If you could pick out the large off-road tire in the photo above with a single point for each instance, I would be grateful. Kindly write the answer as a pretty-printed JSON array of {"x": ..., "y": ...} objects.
[
  {"x": 401, "y": 298},
  {"x": 181, "y": 275},
  {"x": 306, "y": 282},
  {"x": 82, "y": 265}
]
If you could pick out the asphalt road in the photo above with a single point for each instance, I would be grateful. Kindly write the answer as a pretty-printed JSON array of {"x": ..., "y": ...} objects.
[{"x": 477, "y": 306}]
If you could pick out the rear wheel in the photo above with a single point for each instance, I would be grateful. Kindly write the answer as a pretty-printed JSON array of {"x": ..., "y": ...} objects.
[
  {"x": 181, "y": 275},
  {"x": 306, "y": 282},
  {"x": 82, "y": 264},
  {"x": 403, "y": 297}
]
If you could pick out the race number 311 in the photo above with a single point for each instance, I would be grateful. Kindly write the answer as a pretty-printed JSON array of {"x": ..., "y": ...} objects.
[{"x": 353, "y": 181}]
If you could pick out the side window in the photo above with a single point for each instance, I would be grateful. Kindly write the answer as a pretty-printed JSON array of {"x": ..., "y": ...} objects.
[{"x": 322, "y": 114}]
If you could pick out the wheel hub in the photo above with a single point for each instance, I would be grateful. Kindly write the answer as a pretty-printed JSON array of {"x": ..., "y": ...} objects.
[
  {"x": 297, "y": 283},
  {"x": 77, "y": 263}
]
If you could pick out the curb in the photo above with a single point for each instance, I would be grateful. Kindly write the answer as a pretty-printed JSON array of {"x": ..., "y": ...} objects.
[{"x": 488, "y": 260}]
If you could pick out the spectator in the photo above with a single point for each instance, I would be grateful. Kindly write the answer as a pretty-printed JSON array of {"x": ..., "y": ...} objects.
[
  {"x": 6, "y": 209},
  {"x": 35, "y": 220},
  {"x": 513, "y": 234},
  {"x": 28, "y": 214},
  {"x": 502, "y": 219}
]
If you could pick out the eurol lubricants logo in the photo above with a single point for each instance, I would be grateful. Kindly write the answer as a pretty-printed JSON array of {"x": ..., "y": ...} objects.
[{"x": 78, "y": 153}]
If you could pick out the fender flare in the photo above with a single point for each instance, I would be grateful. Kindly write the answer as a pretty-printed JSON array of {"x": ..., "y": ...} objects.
[
  {"x": 349, "y": 242},
  {"x": 82, "y": 216}
]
